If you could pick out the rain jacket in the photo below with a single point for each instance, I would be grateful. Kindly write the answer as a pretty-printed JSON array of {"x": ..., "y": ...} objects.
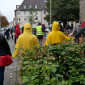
[
  {"x": 80, "y": 32},
  {"x": 83, "y": 24},
  {"x": 56, "y": 36},
  {"x": 17, "y": 31},
  {"x": 77, "y": 28},
  {"x": 4, "y": 46},
  {"x": 26, "y": 40}
]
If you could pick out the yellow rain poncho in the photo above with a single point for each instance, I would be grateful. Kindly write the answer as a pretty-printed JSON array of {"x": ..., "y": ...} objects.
[
  {"x": 26, "y": 40},
  {"x": 56, "y": 36}
]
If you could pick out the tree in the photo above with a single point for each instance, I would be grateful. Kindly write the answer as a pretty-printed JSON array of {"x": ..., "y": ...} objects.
[
  {"x": 63, "y": 10},
  {"x": 32, "y": 16},
  {"x": 4, "y": 21}
]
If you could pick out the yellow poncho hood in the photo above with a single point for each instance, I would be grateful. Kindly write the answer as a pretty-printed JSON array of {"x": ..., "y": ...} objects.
[
  {"x": 27, "y": 28},
  {"x": 26, "y": 40},
  {"x": 56, "y": 36},
  {"x": 55, "y": 26}
]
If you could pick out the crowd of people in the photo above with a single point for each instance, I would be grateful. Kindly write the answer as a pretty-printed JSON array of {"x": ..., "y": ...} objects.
[
  {"x": 78, "y": 29},
  {"x": 27, "y": 40}
]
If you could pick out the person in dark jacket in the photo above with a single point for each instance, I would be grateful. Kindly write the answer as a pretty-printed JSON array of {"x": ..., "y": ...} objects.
[
  {"x": 80, "y": 32},
  {"x": 61, "y": 27},
  {"x": 4, "y": 50},
  {"x": 22, "y": 29},
  {"x": 67, "y": 26},
  {"x": 43, "y": 27},
  {"x": 11, "y": 31},
  {"x": 7, "y": 34},
  {"x": 14, "y": 28}
]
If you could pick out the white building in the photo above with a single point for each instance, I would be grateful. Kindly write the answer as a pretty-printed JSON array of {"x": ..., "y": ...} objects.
[
  {"x": 11, "y": 24},
  {"x": 22, "y": 12}
]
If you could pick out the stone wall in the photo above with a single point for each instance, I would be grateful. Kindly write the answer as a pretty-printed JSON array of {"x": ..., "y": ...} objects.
[{"x": 82, "y": 10}]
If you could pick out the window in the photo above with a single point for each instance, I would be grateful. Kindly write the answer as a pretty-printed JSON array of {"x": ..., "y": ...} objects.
[
  {"x": 45, "y": 7},
  {"x": 45, "y": 0},
  {"x": 36, "y": 18},
  {"x": 24, "y": 12},
  {"x": 44, "y": 12},
  {"x": 25, "y": 19},
  {"x": 19, "y": 19},
  {"x": 35, "y": 6},
  {"x": 18, "y": 13},
  {"x": 30, "y": 6},
  {"x": 24, "y": 6}
]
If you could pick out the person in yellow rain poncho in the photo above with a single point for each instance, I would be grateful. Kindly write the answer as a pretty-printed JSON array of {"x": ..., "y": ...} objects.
[
  {"x": 56, "y": 36},
  {"x": 26, "y": 40}
]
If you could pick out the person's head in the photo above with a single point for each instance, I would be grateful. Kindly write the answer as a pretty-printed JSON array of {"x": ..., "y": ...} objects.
[
  {"x": 39, "y": 23},
  {"x": 28, "y": 28},
  {"x": 59, "y": 23},
  {"x": 77, "y": 21},
  {"x": 55, "y": 26},
  {"x": 17, "y": 26},
  {"x": 43, "y": 24}
]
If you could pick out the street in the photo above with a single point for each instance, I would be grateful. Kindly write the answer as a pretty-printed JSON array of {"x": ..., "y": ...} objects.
[{"x": 11, "y": 77}]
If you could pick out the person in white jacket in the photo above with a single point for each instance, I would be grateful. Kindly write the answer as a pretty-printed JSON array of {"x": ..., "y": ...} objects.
[
  {"x": 47, "y": 32},
  {"x": 76, "y": 29}
]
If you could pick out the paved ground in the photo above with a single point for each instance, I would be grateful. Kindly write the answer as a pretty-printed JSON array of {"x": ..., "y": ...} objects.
[{"x": 11, "y": 77}]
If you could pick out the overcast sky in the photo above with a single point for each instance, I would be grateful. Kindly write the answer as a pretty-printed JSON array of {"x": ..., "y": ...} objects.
[{"x": 7, "y": 8}]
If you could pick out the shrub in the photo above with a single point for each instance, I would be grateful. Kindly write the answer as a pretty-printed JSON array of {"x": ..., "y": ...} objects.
[{"x": 54, "y": 65}]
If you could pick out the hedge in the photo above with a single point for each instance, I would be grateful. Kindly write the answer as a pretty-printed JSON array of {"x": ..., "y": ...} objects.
[{"x": 53, "y": 65}]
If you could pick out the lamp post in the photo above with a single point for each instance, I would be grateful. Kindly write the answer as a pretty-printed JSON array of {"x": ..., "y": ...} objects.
[{"x": 50, "y": 13}]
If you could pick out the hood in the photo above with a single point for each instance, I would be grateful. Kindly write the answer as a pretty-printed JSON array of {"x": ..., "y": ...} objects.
[
  {"x": 17, "y": 26},
  {"x": 28, "y": 28},
  {"x": 55, "y": 26}
]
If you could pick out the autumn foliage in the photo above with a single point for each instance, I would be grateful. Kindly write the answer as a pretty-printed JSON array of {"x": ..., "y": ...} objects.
[{"x": 4, "y": 21}]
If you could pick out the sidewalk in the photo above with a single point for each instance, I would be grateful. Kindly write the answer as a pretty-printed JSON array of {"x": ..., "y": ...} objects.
[{"x": 10, "y": 76}]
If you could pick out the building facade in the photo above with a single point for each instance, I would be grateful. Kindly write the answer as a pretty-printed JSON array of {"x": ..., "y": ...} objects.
[
  {"x": 22, "y": 12},
  {"x": 82, "y": 10}
]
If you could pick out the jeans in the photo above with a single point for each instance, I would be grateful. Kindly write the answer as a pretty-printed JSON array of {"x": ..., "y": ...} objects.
[
  {"x": 12, "y": 36},
  {"x": 40, "y": 38},
  {"x": 15, "y": 39},
  {"x": 77, "y": 40},
  {"x": 2, "y": 75},
  {"x": 40, "y": 41}
]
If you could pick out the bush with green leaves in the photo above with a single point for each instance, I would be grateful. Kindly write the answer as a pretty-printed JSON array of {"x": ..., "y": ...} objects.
[{"x": 54, "y": 65}]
